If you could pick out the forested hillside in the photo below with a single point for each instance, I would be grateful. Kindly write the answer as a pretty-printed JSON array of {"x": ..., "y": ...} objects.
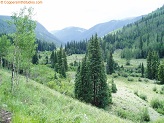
[
  {"x": 77, "y": 34},
  {"x": 140, "y": 37},
  {"x": 40, "y": 31}
]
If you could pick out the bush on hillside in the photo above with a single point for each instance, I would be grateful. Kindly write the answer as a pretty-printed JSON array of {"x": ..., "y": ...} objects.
[
  {"x": 145, "y": 115},
  {"x": 158, "y": 105}
]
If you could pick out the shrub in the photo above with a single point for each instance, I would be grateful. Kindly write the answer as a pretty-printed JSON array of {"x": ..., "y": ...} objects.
[
  {"x": 154, "y": 88},
  {"x": 121, "y": 113},
  {"x": 146, "y": 80},
  {"x": 115, "y": 75},
  {"x": 162, "y": 90},
  {"x": 125, "y": 75},
  {"x": 145, "y": 115},
  {"x": 139, "y": 79},
  {"x": 136, "y": 92},
  {"x": 143, "y": 96},
  {"x": 114, "y": 88},
  {"x": 158, "y": 105},
  {"x": 130, "y": 79},
  {"x": 51, "y": 84}
]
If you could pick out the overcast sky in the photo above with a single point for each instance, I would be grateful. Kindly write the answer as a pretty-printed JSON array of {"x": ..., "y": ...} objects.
[{"x": 58, "y": 14}]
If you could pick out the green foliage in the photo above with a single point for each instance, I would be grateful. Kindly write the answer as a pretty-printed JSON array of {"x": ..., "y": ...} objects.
[
  {"x": 126, "y": 114},
  {"x": 142, "y": 70},
  {"x": 114, "y": 88},
  {"x": 61, "y": 86},
  {"x": 127, "y": 54},
  {"x": 158, "y": 105},
  {"x": 143, "y": 96},
  {"x": 74, "y": 47},
  {"x": 35, "y": 103},
  {"x": 139, "y": 37},
  {"x": 110, "y": 64},
  {"x": 90, "y": 82},
  {"x": 145, "y": 115},
  {"x": 60, "y": 61},
  {"x": 45, "y": 46},
  {"x": 161, "y": 73},
  {"x": 4, "y": 46},
  {"x": 152, "y": 65},
  {"x": 136, "y": 92},
  {"x": 35, "y": 59},
  {"x": 155, "y": 88},
  {"x": 114, "y": 75},
  {"x": 162, "y": 90},
  {"x": 130, "y": 79}
]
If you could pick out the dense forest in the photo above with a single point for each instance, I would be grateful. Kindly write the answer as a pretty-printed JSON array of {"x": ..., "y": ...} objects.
[{"x": 136, "y": 38}]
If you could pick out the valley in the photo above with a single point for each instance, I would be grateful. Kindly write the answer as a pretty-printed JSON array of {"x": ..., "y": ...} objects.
[{"x": 111, "y": 73}]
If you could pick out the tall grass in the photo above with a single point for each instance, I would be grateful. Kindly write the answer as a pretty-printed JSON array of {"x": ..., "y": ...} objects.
[{"x": 35, "y": 103}]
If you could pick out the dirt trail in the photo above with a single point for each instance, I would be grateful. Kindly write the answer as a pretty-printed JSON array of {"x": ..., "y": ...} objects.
[{"x": 5, "y": 116}]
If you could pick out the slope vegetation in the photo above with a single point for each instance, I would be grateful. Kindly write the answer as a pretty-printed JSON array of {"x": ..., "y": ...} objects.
[
  {"x": 41, "y": 32},
  {"x": 33, "y": 102}
]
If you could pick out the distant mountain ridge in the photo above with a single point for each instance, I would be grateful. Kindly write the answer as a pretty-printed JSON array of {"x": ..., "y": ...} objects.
[
  {"x": 77, "y": 33},
  {"x": 68, "y": 33},
  {"x": 41, "y": 32}
]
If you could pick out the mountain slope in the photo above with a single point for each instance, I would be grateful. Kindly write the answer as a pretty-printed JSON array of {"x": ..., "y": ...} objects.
[
  {"x": 33, "y": 102},
  {"x": 41, "y": 32},
  {"x": 143, "y": 35},
  {"x": 68, "y": 34},
  {"x": 104, "y": 28},
  {"x": 76, "y": 33}
]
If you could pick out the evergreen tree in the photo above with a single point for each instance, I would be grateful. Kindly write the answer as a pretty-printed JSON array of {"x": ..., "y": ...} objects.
[
  {"x": 91, "y": 84},
  {"x": 161, "y": 73},
  {"x": 46, "y": 59},
  {"x": 149, "y": 65},
  {"x": 52, "y": 59},
  {"x": 77, "y": 90},
  {"x": 65, "y": 60},
  {"x": 155, "y": 65},
  {"x": 35, "y": 59},
  {"x": 110, "y": 64},
  {"x": 114, "y": 88},
  {"x": 60, "y": 60},
  {"x": 152, "y": 65},
  {"x": 142, "y": 70}
]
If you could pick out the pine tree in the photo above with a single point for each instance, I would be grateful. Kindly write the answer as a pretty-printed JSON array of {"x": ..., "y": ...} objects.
[
  {"x": 161, "y": 73},
  {"x": 52, "y": 59},
  {"x": 60, "y": 62},
  {"x": 91, "y": 84},
  {"x": 149, "y": 65},
  {"x": 110, "y": 64},
  {"x": 142, "y": 70},
  {"x": 155, "y": 65},
  {"x": 78, "y": 87},
  {"x": 35, "y": 59},
  {"x": 46, "y": 59},
  {"x": 152, "y": 65},
  {"x": 65, "y": 60}
]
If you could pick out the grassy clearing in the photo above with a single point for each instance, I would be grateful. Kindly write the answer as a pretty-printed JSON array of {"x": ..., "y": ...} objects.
[
  {"x": 75, "y": 57},
  {"x": 126, "y": 104},
  {"x": 35, "y": 103}
]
